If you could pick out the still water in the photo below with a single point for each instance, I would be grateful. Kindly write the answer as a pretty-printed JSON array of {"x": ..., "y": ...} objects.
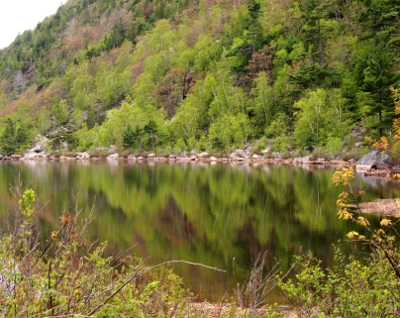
[{"x": 219, "y": 215}]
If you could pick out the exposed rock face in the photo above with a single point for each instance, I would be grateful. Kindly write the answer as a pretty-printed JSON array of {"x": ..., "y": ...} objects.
[
  {"x": 373, "y": 159},
  {"x": 38, "y": 150}
]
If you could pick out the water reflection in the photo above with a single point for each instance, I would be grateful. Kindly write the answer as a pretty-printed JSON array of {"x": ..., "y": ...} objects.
[{"x": 210, "y": 214}]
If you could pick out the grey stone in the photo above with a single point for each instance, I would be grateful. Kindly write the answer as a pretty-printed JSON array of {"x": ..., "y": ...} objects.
[
  {"x": 114, "y": 156},
  {"x": 82, "y": 156},
  {"x": 266, "y": 151},
  {"x": 374, "y": 158},
  {"x": 239, "y": 153},
  {"x": 203, "y": 154}
]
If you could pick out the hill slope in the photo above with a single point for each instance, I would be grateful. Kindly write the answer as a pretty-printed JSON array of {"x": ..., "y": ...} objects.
[{"x": 206, "y": 75}]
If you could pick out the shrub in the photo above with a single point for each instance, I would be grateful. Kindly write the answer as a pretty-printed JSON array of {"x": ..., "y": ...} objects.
[
  {"x": 68, "y": 276},
  {"x": 367, "y": 286}
]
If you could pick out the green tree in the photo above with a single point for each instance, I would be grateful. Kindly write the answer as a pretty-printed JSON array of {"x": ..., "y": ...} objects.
[
  {"x": 151, "y": 130},
  {"x": 229, "y": 130},
  {"x": 261, "y": 110},
  {"x": 8, "y": 144},
  {"x": 127, "y": 138},
  {"x": 43, "y": 122},
  {"x": 14, "y": 137},
  {"x": 380, "y": 20},
  {"x": 61, "y": 112},
  {"x": 379, "y": 76},
  {"x": 133, "y": 138},
  {"x": 320, "y": 115}
]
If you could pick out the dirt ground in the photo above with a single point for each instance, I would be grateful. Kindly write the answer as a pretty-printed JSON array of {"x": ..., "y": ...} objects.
[
  {"x": 206, "y": 309},
  {"x": 383, "y": 207}
]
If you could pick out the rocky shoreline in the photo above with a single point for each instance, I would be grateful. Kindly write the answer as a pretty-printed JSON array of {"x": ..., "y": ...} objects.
[
  {"x": 374, "y": 164},
  {"x": 181, "y": 158}
]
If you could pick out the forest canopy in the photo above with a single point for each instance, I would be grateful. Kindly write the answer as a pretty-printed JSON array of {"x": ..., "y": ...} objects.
[{"x": 172, "y": 76}]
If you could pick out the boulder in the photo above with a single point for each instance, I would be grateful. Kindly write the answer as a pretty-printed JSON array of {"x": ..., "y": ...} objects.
[
  {"x": 66, "y": 158},
  {"x": 301, "y": 159},
  {"x": 373, "y": 159},
  {"x": 114, "y": 156},
  {"x": 32, "y": 156},
  {"x": 38, "y": 151},
  {"x": 266, "y": 151},
  {"x": 239, "y": 153},
  {"x": 203, "y": 154},
  {"x": 82, "y": 156},
  {"x": 181, "y": 154}
]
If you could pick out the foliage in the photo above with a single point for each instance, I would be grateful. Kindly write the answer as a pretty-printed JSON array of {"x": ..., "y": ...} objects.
[
  {"x": 320, "y": 119},
  {"x": 256, "y": 68},
  {"x": 14, "y": 137},
  {"x": 69, "y": 276},
  {"x": 367, "y": 285},
  {"x": 379, "y": 76},
  {"x": 349, "y": 289}
]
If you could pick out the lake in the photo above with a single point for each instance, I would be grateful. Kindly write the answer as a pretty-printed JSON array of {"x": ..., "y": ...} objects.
[{"x": 220, "y": 215}]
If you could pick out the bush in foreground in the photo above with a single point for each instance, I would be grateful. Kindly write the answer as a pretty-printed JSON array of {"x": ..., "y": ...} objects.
[
  {"x": 68, "y": 277},
  {"x": 364, "y": 285}
]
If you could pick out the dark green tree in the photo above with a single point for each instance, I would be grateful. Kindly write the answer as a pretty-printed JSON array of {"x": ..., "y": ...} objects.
[
  {"x": 133, "y": 138},
  {"x": 127, "y": 138},
  {"x": 253, "y": 38},
  {"x": 314, "y": 36},
  {"x": 8, "y": 137},
  {"x": 151, "y": 131},
  {"x": 15, "y": 136},
  {"x": 380, "y": 20},
  {"x": 379, "y": 76}
]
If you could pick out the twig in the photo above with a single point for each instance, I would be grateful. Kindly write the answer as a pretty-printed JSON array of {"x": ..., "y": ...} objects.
[{"x": 143, "y": 271}]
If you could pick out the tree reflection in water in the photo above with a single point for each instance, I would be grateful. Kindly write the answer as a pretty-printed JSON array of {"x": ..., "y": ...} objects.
[{"x": 202, "y": 213}]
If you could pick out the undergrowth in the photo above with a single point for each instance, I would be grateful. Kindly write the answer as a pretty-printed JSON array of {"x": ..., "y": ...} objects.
[{"x": 69, "y": 277}]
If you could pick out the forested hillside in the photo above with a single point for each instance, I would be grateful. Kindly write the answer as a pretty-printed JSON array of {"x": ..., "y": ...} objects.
[{"x": 171, "y": 76}]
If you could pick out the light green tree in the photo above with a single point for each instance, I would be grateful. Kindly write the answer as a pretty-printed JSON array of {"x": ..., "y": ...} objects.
[{"x": 61, "y": 112}]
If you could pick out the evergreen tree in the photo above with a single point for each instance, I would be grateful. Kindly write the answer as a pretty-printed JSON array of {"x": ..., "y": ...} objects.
[
  {"x": 379, "y": 76},
  {"x": 313, "y": 11},
  {"x": 8, "y": 137},
  {"x": 151, "y": 130},
  {"x": 380, "y": 20},
  {"x": 127, "y": 138},
  {"x": 14, "y": 136}
]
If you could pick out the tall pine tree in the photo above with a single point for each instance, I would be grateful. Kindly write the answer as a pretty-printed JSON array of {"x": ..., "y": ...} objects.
[{"x": 379, "y": 76}]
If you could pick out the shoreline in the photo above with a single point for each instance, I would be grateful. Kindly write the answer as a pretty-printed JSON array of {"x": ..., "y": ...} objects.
[{"x": 194, "y": 158}]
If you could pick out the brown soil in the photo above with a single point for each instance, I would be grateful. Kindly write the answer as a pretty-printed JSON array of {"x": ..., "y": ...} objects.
[
  {"x": 206, "y": 309},
  {"x": 383, "y": 207}
]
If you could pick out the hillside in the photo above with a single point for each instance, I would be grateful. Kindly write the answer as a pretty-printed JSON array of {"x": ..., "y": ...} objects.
[{"x": 172, "y": 76}]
